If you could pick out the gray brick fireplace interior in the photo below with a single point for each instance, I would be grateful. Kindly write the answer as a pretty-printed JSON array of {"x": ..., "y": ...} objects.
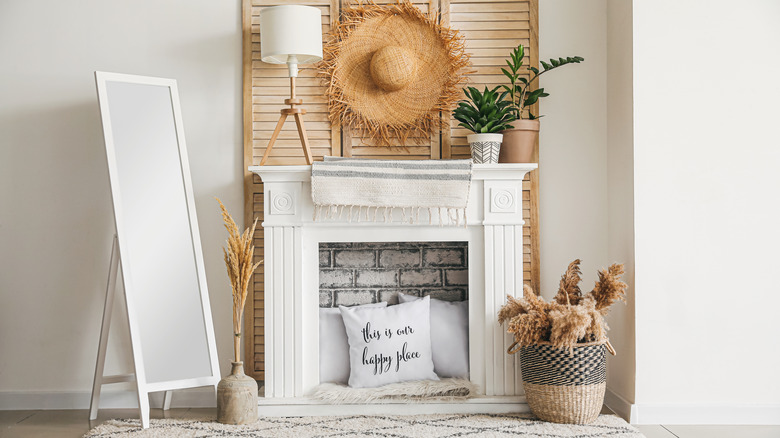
[{"x": 361, "y": 272}]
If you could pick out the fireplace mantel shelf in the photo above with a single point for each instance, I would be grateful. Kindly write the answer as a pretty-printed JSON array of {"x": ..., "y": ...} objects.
[
  {"x": 287, "y": 197},
  {"x": 480, "y": 172},
  {"x": 496, "y": 255}
]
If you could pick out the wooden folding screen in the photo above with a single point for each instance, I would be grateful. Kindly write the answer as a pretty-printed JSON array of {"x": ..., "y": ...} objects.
[{"x": 491, "y": 27}]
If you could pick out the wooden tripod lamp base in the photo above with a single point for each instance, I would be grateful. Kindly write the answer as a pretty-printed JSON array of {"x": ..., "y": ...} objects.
[{"x": 296, "y": 112}]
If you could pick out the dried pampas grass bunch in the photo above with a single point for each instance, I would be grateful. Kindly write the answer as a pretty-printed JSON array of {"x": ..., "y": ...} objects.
[
  {"x": 569, "y": 319},
  {"x": 238, "y": 260}
]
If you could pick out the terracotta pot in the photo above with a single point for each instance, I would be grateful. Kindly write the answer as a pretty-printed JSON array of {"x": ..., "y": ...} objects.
[
  {"x": 484, "y": 147},
  {"x": 519, "y": 142},
  {"x": 237, "y": 397}
]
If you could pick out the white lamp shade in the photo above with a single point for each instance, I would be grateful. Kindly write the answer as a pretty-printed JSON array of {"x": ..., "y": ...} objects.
[{"x": 290, "y": 30}]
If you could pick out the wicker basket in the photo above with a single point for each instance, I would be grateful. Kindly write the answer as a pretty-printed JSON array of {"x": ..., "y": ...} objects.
[{"x": 563, "y": 386}]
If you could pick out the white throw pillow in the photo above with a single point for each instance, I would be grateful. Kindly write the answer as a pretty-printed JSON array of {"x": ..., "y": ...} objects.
[
  {"x": 334, "y": 349},
  {"x": 389, "y": 345},
  {"x": 449, "y": 336}
]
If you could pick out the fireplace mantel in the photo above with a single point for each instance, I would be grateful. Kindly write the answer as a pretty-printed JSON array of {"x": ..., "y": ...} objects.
[{"x": 495, "y": 237}]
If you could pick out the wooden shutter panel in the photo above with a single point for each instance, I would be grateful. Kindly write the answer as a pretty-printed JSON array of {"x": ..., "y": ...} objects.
[{"x": 492, "y": 28}]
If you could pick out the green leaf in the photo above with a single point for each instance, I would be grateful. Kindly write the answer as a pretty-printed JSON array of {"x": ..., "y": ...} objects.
[
  {"x": 475, "y": 96},
  {"x": 534, "y": 70},
  {"x": 545, "y": 65}
]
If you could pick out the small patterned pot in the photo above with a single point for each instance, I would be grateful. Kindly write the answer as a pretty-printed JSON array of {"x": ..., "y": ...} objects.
[{"x": 485, "y": 147}]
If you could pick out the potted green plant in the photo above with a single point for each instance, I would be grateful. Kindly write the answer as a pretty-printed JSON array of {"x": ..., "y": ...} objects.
[
  {"x": 520, "y": 138},
  {"x": 486, "y": 114},
  {"x": 563, "y": 345}
]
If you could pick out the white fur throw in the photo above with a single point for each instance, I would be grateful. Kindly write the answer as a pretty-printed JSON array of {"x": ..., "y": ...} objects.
[
  {"x": 414, "y": 391},
  {"x": 370, "y": 190}
]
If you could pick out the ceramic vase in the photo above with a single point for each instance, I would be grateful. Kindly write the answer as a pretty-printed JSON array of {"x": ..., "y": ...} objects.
[
  {"x": 484, "y": 147},
  {"x": 237, "y": 397}
]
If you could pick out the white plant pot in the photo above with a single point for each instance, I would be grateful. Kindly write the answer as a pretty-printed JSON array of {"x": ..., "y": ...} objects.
[{"x": 485, "y": 147}]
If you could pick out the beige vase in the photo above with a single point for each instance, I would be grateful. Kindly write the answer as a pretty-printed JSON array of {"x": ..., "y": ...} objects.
[
  {"x": 237, "y": 397},
  {"x": 519, "y": 142}
]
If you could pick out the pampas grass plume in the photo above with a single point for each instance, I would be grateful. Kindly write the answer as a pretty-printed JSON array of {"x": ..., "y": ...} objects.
[
  {"x": 569, "y": 319},
  {"x": 569, "y": 288},
  {"x": 609, "y": 288},
  {"x": 240, "y": 267}
]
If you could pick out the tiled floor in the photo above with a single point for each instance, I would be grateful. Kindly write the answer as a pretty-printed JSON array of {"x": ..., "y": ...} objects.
[
  {"x": 657, "y": 431},
  {"x": 74, "y": 423}
]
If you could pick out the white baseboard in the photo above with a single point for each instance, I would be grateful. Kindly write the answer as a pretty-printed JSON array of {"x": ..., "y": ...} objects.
[
  {"x": 716, "y": 414},
  {"x": 620, "y": 406},
  {"x": 676, "y": 413},
  {"x": 24, "y": 400},
  {"x": 647, "y": 413}
]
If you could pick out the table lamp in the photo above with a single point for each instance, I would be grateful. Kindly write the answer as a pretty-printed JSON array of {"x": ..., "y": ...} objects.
[{"x": 292, "y": 35}]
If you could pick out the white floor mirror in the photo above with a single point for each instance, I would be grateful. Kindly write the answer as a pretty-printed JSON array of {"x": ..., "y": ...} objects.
[{"x": 157, "y": 245}]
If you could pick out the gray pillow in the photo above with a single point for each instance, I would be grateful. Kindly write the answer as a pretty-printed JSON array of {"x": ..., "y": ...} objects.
[
  {"x": 389, "y": 345},
  {"x": 449, "y": 336},
  {"x": 334, "y": 349}
]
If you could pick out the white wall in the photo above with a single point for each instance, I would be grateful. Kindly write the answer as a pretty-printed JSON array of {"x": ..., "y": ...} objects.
[
  {"x": 586, "y": 161},
  {"x": 620, "y": 191},
  {"x": 55, "y": 208},
  {"x": 573, "y": 141},
  {"x": 56, "y": 220},
  {"x": 706, "y": 156},
  {"x": 704, "y": 168}
]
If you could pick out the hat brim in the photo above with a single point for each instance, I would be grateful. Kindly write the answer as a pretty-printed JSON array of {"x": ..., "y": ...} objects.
[{"x": 412, "y": 111}]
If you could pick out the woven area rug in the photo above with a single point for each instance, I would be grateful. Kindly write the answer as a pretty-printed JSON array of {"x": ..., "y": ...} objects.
[{"x": 416, "y": 426}]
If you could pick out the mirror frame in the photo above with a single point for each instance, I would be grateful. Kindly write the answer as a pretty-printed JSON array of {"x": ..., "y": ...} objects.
[{"x": 143, "y": 386}]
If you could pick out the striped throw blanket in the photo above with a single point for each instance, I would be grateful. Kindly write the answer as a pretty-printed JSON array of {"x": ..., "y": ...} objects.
[{"x": 371, "y": 190}]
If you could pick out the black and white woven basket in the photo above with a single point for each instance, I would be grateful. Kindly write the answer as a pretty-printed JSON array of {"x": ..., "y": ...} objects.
[{"x": 562, "y": 385}]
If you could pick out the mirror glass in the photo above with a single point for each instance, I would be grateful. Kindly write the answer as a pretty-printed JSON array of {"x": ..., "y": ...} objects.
[{"x": 156, "y": 244}]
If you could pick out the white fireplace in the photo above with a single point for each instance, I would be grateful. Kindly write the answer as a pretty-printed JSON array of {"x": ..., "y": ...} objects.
[{"x": 495, "y": 269}]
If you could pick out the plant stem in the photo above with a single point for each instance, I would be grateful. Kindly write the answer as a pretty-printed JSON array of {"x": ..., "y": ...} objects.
[
  {"x": 237, "y": 347},
  {"x": 525, "y": 89}
]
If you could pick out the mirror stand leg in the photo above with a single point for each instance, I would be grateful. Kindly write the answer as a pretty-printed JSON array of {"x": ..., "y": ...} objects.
[
  {"x": 167, "y": 397},
  {"x": 143, "y": 407},
  {"x": 108, "y": 306}
]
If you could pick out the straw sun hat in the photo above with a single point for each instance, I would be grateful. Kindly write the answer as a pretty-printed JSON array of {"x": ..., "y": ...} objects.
[{"x": 390, "y": 70}]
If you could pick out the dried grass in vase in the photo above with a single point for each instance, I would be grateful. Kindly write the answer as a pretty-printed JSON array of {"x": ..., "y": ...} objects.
[
  {"x": 569, "y": 319},
  {"x": 238, "y": 260}
]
